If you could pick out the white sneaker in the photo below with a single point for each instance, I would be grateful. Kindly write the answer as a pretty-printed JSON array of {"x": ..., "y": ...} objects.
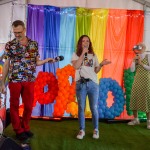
[
  {"x": 134, "y": 122},
  {"x": 96, "y": 134},
  {"x": 148, "y": 124},
  {"x": 81, "y": 134}
]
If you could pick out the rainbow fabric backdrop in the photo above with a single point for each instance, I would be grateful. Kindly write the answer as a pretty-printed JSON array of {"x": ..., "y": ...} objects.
[{"x": 113, "y": 33}]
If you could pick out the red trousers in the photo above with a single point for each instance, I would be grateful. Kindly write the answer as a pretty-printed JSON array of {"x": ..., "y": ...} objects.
[{"x": 26, "y": 91}]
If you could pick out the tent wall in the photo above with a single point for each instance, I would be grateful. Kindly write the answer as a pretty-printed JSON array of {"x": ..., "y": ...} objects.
[
  {"x": 10, "y": 11},
  {"x": 119, "y": 4},
  {"x": 16, "y": 9}
]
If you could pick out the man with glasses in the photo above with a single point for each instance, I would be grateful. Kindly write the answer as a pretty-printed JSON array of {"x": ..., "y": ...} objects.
[{"x": 21, "y": 58}]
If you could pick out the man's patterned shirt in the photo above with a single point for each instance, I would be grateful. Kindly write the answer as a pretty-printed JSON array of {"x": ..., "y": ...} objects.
[{"x": 22, "y": 60}]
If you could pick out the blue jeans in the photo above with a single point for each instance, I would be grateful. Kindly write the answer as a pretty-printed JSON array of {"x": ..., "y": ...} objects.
[{"x": 92, "y": 90}]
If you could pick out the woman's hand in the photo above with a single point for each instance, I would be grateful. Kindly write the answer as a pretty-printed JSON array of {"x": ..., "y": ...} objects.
[
  {"x": 105, "y": 62},
  {"x": 136, "y": 58},
  {"x": 139, "y": 62},
  {"x": 85, "y": 50}
]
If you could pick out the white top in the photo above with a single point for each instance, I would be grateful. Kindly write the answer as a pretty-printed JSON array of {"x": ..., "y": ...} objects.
[
  {"x": 87, "y": 69},
  {"x": 147, "y": 67}
]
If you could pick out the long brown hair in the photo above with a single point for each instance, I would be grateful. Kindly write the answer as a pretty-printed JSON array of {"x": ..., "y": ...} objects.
[{"x": 79, "y": 46}]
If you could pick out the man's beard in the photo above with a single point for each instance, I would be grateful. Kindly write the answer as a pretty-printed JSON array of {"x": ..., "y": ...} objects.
[{"x": 19, "y": 38}]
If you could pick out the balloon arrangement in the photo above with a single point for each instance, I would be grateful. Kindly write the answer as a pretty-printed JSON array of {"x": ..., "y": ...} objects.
[
  {"x": 72, "y": 108},
  {"x": 128, "y": 81},
  {"x": 1, "y": 67},
  {"x": 66, "y": 92},
  {"x": 62, "y": 90},
  {"x": 106, "y": 85},
  {"x": 21, "y": 109},
  {"x": 45, "y": 79},
  {"x": 1, "y": 71}
]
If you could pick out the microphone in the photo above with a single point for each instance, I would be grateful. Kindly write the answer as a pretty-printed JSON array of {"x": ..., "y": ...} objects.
[
  {"x": 137, "y": 47},
  {"x": 59, "y": 58},
  {"x": 85, "y": 55}
]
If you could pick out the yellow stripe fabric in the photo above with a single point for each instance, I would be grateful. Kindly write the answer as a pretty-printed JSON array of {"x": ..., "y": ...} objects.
[{"x": 98, "y": 29}]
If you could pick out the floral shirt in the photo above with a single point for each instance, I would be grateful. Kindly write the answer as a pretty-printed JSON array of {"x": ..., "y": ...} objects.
[{"x": 22, "y": 60}]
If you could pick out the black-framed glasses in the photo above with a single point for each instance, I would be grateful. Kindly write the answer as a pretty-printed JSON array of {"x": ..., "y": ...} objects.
[{"x": 17, "y": 32}]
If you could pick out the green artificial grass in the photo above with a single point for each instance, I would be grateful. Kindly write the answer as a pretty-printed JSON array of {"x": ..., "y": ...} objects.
[{"x": 61, "y": 135}]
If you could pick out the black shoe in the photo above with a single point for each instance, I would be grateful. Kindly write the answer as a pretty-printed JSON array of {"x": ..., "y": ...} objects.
[
  {"x": 29, "y": 134},
  {"x": 22, "y": 136}
]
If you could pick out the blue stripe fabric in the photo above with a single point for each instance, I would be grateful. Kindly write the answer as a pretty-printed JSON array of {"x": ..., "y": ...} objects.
[
  {"x": 67, "y": 37},
  {"x": 51, "y": 46}
]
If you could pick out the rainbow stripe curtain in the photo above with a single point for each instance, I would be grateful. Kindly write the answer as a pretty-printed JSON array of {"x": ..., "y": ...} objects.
[{"x": 113, "y": 33}]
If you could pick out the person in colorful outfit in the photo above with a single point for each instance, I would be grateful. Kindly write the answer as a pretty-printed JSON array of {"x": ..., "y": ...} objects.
[
  {"x": 140, "y": 93},
  {"x": 21, "y": 58},
  {"x": 87, "y": 66}
]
